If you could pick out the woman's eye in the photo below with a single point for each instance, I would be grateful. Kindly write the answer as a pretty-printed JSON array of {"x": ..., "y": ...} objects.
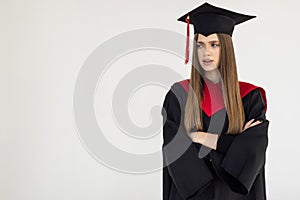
[
  {"x": 215, "y": 45},
  {"x": 199, "y": 46}
]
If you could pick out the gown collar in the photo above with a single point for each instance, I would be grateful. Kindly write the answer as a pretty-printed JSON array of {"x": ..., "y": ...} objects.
[{"x": 216, "y": 94}]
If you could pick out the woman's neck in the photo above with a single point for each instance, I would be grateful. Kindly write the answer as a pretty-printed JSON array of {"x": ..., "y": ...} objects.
[{"x": 213, "y": 76}]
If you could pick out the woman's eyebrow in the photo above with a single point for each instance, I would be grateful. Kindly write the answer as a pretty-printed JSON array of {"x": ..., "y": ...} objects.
[{"x": 208, "y": 42}]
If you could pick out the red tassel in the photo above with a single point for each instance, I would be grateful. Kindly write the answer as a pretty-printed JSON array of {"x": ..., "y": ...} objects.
[{"x": 187, "y": 20}]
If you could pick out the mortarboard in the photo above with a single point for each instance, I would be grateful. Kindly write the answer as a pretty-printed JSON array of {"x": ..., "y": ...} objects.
[{"x": 208, "y": 19}]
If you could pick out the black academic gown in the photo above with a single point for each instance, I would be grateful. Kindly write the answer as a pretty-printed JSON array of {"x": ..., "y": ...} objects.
[{"x": 234, "y": 171}]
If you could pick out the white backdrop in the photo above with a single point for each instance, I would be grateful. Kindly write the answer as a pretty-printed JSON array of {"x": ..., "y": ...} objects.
[{"x": 43, "y": 47}]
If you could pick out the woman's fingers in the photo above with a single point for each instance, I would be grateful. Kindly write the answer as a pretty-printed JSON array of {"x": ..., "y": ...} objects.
[
  {"x": 247, "y": 125},
  {"x": 250, "y": 124},
  {"x": 255, "y": 123}
]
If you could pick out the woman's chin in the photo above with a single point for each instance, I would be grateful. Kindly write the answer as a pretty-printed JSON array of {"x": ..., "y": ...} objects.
[{"x": 209, "y": 68}]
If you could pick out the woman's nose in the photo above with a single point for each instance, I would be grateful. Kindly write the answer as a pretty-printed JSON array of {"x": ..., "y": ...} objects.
[{"x": 207, "y": 51}]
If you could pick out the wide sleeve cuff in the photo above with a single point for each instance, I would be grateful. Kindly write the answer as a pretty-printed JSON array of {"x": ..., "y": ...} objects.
[{"x": 244, "y": 159}]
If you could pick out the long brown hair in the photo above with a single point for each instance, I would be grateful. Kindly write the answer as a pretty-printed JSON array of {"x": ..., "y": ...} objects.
[{"x": 230, "y": 86}]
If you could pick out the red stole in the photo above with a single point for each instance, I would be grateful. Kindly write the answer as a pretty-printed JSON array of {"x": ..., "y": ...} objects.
[{"x": 212, "y": 100}]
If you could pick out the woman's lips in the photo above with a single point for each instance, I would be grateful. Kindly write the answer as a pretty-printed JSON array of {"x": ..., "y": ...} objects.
[{"x": 207, "y": 62}]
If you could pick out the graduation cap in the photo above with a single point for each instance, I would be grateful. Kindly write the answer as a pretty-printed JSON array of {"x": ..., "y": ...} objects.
[{"x": 208, "y": 19}]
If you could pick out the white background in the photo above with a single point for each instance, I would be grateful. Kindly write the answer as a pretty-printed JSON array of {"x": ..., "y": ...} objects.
[{"x": 43, "y": 46}]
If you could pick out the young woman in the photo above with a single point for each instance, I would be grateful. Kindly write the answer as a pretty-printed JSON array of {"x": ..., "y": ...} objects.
[{"x": 215, "y": 127}]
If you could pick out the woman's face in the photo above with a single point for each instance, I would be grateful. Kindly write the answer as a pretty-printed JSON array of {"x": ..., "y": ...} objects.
[{"x": 208, "y": 49}]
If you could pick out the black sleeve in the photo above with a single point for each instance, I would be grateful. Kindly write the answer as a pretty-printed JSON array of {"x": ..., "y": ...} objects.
[
  {"x": 245, "y": 157},
  {"x": 167, "y": 181},
  {"x": 254, "y": 106},
  {"x": 183, "y": 167}
]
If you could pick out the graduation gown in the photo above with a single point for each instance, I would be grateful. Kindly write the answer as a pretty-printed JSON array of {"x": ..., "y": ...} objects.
[{"x": 236, "y": 169}]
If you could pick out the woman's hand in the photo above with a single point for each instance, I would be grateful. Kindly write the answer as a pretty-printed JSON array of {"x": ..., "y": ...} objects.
[
  {"x": 208, "y": 139},
  {"x": 250, "y": 124}
]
